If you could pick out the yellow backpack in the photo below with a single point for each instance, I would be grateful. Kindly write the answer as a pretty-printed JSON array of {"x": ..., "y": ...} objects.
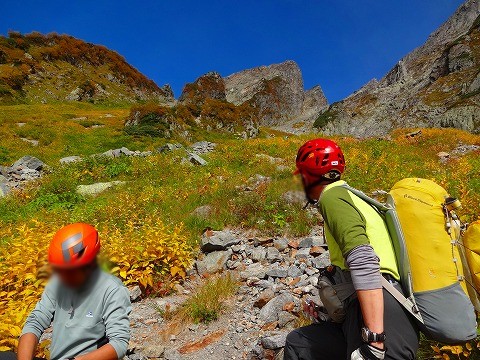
[
  {"x": 470, "y": 252},
  {"x": 436, "y": 280}
]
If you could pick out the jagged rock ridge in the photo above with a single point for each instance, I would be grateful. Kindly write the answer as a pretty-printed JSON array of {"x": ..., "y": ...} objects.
[
  {"x": 436, "y": 85},
  {"x": 37, "y": 68},
  {"x": 276, "y": 92}
]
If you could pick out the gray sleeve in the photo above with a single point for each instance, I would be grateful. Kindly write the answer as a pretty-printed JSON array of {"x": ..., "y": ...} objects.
[
  {"x": 117, "y": 324},
  {"x": 364, "y": 266},
  {"x": 42, "y": 316}
]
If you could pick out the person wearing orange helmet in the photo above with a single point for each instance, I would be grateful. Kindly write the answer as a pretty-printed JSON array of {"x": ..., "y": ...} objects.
[
  {"x": 87, "y": 307},
  {"x": 375, "y": 325}
]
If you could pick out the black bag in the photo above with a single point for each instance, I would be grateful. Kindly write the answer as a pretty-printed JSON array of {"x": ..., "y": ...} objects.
[{"x": 336, "y": 291}]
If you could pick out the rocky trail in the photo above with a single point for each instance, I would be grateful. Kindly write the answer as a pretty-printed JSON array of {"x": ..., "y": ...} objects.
[{"x": 275, "y": 274}]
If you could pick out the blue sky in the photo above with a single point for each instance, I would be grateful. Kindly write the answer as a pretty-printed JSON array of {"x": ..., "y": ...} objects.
[{"x": 338, "y": 44}]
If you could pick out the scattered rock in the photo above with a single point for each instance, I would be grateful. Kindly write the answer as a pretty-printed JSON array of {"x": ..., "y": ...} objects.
[
  {"x": 273, "y": 254},
  {"x": 443, "y": 155},
  {"x": 203, "y": 211},
  {"x": 135, "y": 293},
  {"x": 264, "y": 298},
  {"x": 153, "y": 351},
  {"x": 277, "y": 272},
  {"x": 463, "y": 149},
  {"x": 255, "y": 270},
  {"x": 413, "y": 134},
  {"x": 294, "y": 271},
  {"x": 254, "y": 182},
  {"x": 169, "y": 147},
  {"x": 97, "y": 188},
  {"x": 203, "y": 147},
  {"x": 270, "y": 159},
  {"x": 302, "y": 253},
  {"x": 213, "y": 262},
  {"x": 274, "y": 342},
  {"x": 29, "y": 162},
  {"x": 269, "y": 313},
  {"x": 218, "y": 240},
  {"x": 196, "y": 160},
  {"x": 285, "y": 318},
  {"x": 280, "y": 244},
  {"x": 259, "y": 253},
  {"x": 70, "y": 159},
  {"x": 172, "y": 354},
  {"x": 30, "y": 141},
  {"x": 4, "y": 190},
  {"x": 321, "y": 261}
]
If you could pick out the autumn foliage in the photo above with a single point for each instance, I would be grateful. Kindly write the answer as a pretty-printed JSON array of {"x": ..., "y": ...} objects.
[{"x": 25, "y": 54}]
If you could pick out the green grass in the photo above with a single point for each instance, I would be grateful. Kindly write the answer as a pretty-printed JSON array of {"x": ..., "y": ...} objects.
[{"x": 208, "y": 302}]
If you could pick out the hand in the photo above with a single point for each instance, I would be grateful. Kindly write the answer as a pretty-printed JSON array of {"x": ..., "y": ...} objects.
[
  {"x": 309, "y": 308},
  {"x": 368, "y": 352}
]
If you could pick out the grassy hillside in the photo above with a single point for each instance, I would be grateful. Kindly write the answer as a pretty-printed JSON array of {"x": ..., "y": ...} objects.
[
  {"x": 148, "y": 225},
  {"x": 37, "y": 68}
]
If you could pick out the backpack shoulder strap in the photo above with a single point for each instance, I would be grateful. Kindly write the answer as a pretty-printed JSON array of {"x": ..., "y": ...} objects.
[
  {"x": 376, "y": 204},
  {"x": 408, "y": 304}
]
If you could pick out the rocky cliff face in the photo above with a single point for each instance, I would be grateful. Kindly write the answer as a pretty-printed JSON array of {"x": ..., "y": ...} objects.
[
  {"x": 436, "y": 85},
  {"x": 276, "y": 92},
  {"x": 38, "y": 68},
  {"x": 208, "y": 86}
]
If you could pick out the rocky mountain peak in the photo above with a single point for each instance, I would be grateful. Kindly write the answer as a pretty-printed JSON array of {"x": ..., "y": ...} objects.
[
  {"x": 436, "y": 85},
  {"x": 208, "y": 86},
  {"x": 276, "y": 91}
]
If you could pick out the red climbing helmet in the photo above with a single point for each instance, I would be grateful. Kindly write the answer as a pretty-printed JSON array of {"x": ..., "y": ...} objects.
[
  {"x": 73, "y": 246},
  {"x": 320, "y": 158}
]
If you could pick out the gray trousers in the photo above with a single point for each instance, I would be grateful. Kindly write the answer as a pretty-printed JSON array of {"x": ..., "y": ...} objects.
[{"x": 330, "y": 341}]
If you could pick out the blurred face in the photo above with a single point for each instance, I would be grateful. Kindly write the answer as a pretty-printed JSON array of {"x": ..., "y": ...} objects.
[
  {"x": 74, "y": 278},
  {"x": 313, "y": 192}
]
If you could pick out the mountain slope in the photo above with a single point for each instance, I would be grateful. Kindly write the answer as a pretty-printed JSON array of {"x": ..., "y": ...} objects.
[
  {"x": 276, "y": 92},
  {"x": 436, "y": 85},
  {"x": 38, "y": 68}
]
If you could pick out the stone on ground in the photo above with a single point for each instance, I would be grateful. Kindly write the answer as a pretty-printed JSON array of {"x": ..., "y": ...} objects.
[
  {"x": 70, "y": 159},
  {"x": 213, "y": 262},
  {"x": 269, "y": 313},
  {"x": 97, "y": 188},
  {"x": 29, "y": 162},
  {"x": 274, "y": 342},
  {"x": 218, "y": 240}
]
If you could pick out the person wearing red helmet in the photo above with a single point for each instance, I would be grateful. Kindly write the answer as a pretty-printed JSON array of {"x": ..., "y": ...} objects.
[
  {"x": 87, "y": 307},
  {"x": 375, "y": 325}
]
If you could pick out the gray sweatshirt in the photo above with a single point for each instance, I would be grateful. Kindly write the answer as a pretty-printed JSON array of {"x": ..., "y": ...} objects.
[{"x": 83, "y": 320}]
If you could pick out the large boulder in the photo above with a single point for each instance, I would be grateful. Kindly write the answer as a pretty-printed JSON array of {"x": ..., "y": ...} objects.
[
  {"x": 270, "y": 312},
  {"x": 213, "y": 262},
  {"x": 28, "y": 162},
  {"x": 256, "y": 270},
  {"x": 218, "y": 240}
]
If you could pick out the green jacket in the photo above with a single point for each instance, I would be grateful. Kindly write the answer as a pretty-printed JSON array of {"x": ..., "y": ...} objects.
[{"x": 351, "y": 222}]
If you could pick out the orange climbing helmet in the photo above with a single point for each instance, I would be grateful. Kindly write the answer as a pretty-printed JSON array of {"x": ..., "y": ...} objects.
[
  {"x": 75, "y": 245},
  {"x": 320, "y": 159}
]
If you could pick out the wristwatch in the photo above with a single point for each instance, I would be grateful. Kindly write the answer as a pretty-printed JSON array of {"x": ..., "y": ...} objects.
[{"x": 369, "y": 336}]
